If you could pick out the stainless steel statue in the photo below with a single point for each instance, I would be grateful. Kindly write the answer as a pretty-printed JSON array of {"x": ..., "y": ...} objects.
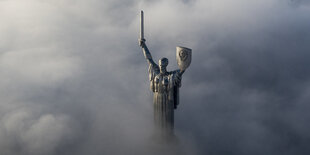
[{"x": 164, "y": 84}]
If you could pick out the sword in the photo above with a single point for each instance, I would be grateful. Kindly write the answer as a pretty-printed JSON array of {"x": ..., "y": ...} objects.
[{"x": 141, "y": 27}]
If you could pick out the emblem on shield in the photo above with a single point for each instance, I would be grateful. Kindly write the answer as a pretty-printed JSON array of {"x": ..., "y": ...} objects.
[{"x": 184, "y": 57}]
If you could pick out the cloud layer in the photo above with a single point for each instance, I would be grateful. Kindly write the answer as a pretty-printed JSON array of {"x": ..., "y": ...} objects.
[{"x": 74, "y": 81}]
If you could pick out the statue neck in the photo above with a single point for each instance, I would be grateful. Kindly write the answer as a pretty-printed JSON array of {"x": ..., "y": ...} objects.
[{"x": 164, "y": 73}]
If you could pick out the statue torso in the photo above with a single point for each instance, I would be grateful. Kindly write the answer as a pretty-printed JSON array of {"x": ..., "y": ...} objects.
[
  {"x": 161, "y": 82},
  {"x": 165, "y": 86}
]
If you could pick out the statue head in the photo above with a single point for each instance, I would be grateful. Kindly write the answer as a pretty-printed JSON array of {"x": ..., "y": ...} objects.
[{"x": 163, "y": 63}]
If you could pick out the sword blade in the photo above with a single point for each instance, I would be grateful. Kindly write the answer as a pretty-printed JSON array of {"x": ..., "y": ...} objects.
[{"x": 141, "y": 26}]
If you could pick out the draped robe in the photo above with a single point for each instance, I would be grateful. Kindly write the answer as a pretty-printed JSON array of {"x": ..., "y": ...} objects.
[{"x": 166, "y": 97}]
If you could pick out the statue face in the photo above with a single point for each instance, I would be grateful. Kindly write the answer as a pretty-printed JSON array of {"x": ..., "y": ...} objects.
[{"x": 163, "y": 63}]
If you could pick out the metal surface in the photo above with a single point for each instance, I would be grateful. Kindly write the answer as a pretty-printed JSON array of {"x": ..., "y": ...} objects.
[
  {"x": 165, "y": 85},
  {"x": 141, "y": 26},
  {"x": 184, "y": 57}
]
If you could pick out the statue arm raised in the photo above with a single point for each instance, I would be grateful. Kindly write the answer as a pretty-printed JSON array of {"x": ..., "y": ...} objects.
[{"x": 146, "y": 52}]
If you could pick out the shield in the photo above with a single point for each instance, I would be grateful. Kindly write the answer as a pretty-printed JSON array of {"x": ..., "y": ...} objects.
[{"x": 184, "y": 57}]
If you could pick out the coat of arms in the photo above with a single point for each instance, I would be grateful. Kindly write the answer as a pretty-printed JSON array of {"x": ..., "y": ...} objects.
[{"x": 184, "y": 57}]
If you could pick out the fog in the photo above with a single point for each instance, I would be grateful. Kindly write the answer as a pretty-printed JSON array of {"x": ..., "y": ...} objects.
[{"x": 74, "y": 80}]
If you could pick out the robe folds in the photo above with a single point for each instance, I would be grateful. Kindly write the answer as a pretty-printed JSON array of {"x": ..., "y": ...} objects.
[{"x": 165, "y": 88}]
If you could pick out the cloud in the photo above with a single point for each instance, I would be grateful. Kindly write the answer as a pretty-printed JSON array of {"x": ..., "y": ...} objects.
[{"x": 74, "y": 81}]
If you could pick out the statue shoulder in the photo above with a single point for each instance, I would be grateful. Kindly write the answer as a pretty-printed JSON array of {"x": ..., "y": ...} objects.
[
  {"x": 177, "y": 71},
  {"x": 153, "y": 71},
  {"x": 176, "y": 77},
  {"x": 154, "y": 67}
]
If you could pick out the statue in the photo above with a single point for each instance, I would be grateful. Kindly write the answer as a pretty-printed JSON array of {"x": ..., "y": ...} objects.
[{"x": 165, "y": 85}]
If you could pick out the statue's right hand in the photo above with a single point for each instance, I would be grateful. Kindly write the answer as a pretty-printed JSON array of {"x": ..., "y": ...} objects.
[{"x": 141, "y": 42}]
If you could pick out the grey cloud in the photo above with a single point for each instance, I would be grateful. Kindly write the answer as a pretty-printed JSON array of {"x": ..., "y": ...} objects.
[{"x": 74, "y": 81}]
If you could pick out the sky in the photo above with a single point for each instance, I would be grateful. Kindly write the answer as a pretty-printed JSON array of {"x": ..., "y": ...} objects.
[{"x": 74, "y": 80}]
